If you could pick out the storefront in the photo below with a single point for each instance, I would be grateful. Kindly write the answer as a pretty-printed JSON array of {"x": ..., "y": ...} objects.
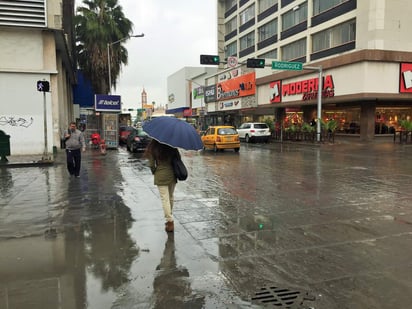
[
  {"x": 227, "y": 100},
  {"x": 366, "y": 93}
]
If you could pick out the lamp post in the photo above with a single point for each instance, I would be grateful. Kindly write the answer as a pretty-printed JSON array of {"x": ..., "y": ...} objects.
[{"x": 108, "y": 55}]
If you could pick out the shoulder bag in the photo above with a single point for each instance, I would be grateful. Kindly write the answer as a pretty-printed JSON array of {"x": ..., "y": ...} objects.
[{"x": 179, "y": 167}]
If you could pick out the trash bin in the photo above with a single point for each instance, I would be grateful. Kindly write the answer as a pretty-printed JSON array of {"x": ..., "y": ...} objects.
[{"x": 4, "y": 146}]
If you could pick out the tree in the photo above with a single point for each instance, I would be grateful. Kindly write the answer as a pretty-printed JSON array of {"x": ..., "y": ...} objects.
[{"x": 98, "y": 23}]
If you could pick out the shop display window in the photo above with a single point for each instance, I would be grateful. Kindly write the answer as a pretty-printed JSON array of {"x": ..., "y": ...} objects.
[
  {"x": 387, "y": 120},
  {"x": 348, "y": 120}
]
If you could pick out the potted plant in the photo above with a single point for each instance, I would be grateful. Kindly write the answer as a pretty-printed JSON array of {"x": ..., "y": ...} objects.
[
  {"x": 308, "y": 131},
  {"x": 406, "y": 129},
  {"x": 406, "y": 125},
  {"x": 329, "y": 127},
  {"x": 271, "y": 125}
]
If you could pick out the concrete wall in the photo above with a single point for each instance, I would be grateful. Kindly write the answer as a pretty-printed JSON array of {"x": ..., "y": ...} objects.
[{"x": 383, "y": 24}]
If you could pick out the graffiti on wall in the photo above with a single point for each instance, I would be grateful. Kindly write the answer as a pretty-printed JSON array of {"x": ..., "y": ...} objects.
[{"x": 16, "y": 121}]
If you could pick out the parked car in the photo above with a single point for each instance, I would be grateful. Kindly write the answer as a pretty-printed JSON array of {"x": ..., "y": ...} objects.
[
  {"x": 221, "y": 137},
  {"x": 137, "y": 140},
  {"x": 124, "y": 132},
  {"x": 254, "y": 132}
]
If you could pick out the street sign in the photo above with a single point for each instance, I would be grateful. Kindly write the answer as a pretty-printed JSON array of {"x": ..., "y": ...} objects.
[
  {"x": 43, "y": 86},
  {"x": 232, "y": 61},
  {"x": 285, "y": 65}
]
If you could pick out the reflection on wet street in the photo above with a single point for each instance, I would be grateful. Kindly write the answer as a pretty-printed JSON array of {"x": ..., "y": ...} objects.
[
  {"x": 334, "y": 221},
  {"x": 172, "y": 277}
]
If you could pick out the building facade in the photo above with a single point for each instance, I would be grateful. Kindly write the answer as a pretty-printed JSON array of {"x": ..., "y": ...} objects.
[
  {"x": 36, "y": 44},
  {"x": 185, "y": 89},
  {"x": 361, "y": 47}
]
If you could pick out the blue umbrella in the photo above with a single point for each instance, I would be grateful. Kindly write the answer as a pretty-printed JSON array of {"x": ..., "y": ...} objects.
[{"x": 173, "y": 132}]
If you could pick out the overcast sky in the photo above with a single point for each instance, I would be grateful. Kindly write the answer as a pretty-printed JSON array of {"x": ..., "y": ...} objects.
[{"x": 175, "y": 34}]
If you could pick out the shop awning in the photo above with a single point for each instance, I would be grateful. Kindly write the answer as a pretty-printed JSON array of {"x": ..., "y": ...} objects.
[{"x": 176, "y": 110}]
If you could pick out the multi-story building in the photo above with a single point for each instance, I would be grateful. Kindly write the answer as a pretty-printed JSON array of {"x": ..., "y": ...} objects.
[
  {"x": 185, "y": 90},
  {"x": 36, "y": 44},
  {"x": 362, "y": 47}
]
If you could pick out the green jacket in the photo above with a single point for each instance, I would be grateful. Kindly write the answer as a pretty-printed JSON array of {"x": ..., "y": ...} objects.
[{"x": 162, "y": 171}]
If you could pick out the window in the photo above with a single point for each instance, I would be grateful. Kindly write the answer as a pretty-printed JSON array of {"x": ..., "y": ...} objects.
[
  {"x": 261, "y": 126},
  {"x": 323, "y": 5},
  {"x": 210, "y": 131},
  {"x": 229, "y": 4},
  {"x": 268, "y": 30},
  {"x": 226, "y": 131},
  {"x": 265, "y": 4},
  {"x": 231, "y": 49},
  {"x": 247, "y": 41},
  {"x": 295, "y": 16},
  {"x": 294, "y": 50},
  {"x": 245, "y": 126},
  {"x": 335, "y": 36},
  {"x": 231, "y": 25},
  {"x": 273, "y": 54},
  {"x": 247, "y": 14}
]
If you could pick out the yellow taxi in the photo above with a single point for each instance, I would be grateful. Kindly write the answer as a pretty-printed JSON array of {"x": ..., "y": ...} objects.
[{"x": 221, "y": 137}]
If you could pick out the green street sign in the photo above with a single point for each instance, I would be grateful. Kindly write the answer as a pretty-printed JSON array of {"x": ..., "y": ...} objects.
[{"x": 285, "y": 65}]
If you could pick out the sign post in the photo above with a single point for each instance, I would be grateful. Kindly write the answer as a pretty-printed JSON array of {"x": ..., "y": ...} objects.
[{"x": 44, "y": 86}]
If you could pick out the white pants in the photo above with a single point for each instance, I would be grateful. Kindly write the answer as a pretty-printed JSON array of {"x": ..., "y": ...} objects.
[{"x": 166, "y": 195}]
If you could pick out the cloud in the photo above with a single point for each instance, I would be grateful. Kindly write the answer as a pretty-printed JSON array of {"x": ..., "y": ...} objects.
[{"x": 176, "y": 33}]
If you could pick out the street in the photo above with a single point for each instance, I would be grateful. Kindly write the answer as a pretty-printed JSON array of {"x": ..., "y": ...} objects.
[{"x": 329, "y": 224}]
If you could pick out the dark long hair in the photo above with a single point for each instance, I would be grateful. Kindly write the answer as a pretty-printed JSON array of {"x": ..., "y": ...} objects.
[{"x": 159, "y": 151}]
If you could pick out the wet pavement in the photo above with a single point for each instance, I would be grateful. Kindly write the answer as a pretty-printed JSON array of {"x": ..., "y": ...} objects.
[{"x": 334, "y": 222}]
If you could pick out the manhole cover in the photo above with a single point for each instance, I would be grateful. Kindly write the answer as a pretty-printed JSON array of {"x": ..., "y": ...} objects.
[{"x": 281, "y": 297}]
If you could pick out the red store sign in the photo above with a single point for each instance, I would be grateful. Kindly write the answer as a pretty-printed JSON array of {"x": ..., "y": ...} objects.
[
  {"x": 308, "y": 88},
  {"x": 405, "y": 80}
]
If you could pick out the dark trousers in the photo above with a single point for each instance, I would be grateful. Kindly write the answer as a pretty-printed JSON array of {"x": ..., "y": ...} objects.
[{"x": 74, "y": 159}]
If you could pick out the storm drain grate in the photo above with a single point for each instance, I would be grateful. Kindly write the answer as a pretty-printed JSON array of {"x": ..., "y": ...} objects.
[{"x": 281, "y": 297}]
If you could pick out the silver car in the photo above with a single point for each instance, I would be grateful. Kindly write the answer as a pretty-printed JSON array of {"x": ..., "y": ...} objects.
[{"x": 254, "y": 132}]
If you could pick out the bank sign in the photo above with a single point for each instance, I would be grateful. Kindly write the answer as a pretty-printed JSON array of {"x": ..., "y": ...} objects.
[{"x": 107, "y": 103}]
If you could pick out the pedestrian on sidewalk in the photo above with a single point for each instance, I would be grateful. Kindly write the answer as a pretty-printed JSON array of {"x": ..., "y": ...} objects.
[
  {"x": 75, "y": 143},
  {"x": 160, "y": 163}
]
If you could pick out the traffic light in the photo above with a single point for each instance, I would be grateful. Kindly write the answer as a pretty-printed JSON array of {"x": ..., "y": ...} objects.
[
  {"x": 209, "y": 59},
  {"x": 43, "y": 86},
  {"x": 255, "y": 63}
]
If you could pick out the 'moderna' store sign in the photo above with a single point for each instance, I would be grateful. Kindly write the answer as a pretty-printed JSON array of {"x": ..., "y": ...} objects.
[{"x": 308, "y": 88}]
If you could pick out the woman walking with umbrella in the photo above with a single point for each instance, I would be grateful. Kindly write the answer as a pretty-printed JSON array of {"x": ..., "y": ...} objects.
[
  {"x": 168, "y": 134},
  {"x": 160, "y": 163}
]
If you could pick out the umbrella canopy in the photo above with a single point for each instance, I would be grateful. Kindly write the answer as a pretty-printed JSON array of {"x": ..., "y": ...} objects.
[{"x": 173, "y": 132}]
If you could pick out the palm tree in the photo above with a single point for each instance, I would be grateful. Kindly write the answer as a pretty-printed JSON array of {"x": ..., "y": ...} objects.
[{"x": 97, "y": 24}]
